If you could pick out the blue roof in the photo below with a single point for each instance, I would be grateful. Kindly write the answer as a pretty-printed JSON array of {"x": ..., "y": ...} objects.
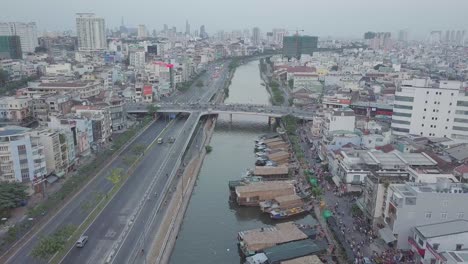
[{"x": 11, "y": 132}]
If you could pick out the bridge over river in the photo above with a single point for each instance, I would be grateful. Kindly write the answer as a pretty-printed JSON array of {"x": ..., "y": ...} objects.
[{"x": 210, "y": 108}]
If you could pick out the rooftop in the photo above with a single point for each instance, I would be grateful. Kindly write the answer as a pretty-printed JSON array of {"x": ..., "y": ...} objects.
[
  {"x": 304, "y": 260},
  {"x": 265, "y": 186},
  {"x": 443, "y": 229},
  {"x": 266, "y": 171},
  {"x": 294, "y": 250},
  {"x": 12, "y": 130},
  {"x": 257, "y": 239}
]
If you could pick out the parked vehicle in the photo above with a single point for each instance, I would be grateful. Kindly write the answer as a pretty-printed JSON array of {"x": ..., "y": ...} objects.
[{"x": 160, "y": 140}]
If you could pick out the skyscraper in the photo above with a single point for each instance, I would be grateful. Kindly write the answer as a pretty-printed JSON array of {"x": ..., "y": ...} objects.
[
  {"x": 10, "y": 47},
  {"x": 256, "y": 36},
  {"x": 26, "y": 31},
  {"x": 203, "y": 32},
  {"x": 142, "y": 32},
  {"x": 91, "y": 32},
  {"x": 187, "y": 28},
  {"x": 403, "y": 35}
]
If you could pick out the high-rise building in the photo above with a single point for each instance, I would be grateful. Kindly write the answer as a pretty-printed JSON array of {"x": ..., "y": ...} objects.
[
  {"x": 165, "y": 28},
  {"x": 447, "y": 36},
  {"x": 26, "y": 31},
  {"x": 381, "y": 40},
  {"x": 426, "y": 108},
  {"x": 295, "y": 46},
  {"x": 91, "y": 32},
  {"x": 187, "y": 28},
  {"x": 142, "y": 32},
  {"x": 278, "y": 35},
  {"x": 256, "y": 36},
  {"x": 403, "y": 35},
  {"x": 203, "y": 32},
  {"x": 10, "y": 47}
]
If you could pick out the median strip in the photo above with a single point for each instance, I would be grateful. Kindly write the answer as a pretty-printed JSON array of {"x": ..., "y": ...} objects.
[{"x": 60, "y": 255}]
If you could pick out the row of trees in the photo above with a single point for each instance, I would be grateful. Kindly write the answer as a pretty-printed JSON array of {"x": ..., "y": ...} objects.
[
  {"x": 277, "y": 94},
  {"x": 12, "y": 195}
]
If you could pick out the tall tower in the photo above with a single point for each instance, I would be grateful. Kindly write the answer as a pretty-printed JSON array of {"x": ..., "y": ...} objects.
[
  {"x": 27, "y": 33},
  {"x": 256, "y": 36},
  {"x": 91, "y": 32},
  {"x": 187, "y": 28}
]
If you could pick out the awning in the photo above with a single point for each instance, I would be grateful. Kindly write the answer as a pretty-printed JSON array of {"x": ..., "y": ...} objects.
[
  {"x": 387, "y": 235},
  {"x": 51, "y": 179},
  {"x": 336, "y": 180}
]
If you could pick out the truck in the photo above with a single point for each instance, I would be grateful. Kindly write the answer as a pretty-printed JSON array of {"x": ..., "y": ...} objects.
[{"x": 160, "y": 140}]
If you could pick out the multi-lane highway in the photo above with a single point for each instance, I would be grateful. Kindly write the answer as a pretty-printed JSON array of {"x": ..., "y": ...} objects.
[
  {"x": 122, "y": 228},
  {"x": 115, "y": 234},
  {"x": 74, "y": 212}
]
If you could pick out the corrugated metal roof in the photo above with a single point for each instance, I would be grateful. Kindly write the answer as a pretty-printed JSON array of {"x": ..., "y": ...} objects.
[{"x": 444, "y": 228}]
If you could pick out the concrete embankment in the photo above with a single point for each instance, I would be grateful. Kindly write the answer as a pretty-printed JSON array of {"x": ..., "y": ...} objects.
[{"x": 167, "y": 234}]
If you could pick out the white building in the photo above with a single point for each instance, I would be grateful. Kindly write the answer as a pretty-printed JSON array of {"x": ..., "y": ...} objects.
[
  {"x": 142, "y": 32},
  {"x": 91, "y": 31},
  {"x": 429, "y": 241},
  {"x": 26, "y": 31},
  {"x": 426, "y": 108},
  {"x": 137, "y": 59},
  {"x": 21, "y": 156},
  {"x": 59, "y": 69},
  {"x": 340, "y": 119},
  {"x": 423, "y": 203}
]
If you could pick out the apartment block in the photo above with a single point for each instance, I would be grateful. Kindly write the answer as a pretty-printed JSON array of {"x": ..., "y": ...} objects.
[
  {"x": 22, "y": 157},
  {"x": 411, "y": 204},
  {"x": 427, "y": 108}
]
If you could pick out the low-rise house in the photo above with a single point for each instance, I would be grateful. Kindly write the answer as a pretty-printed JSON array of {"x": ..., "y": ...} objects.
[{"x": 272, "y": 173}]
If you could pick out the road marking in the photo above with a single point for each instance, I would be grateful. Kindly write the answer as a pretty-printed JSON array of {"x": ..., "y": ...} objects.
[
  {"x": 170, "y": 124},
  {"x": 144, "y": 200},
  {"x": 71, "y": 199}
]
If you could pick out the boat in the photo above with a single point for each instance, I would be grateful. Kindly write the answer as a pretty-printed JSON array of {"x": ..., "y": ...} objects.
[
  {"x": 260, "y": 162},
  {"x": 260, "y": 154},
  {"x": 271, "y": 164},
  {"x": 283, "y": 214}
]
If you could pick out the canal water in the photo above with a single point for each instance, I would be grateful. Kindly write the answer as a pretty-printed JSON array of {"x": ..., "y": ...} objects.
[{"x": 209, "y": 231}]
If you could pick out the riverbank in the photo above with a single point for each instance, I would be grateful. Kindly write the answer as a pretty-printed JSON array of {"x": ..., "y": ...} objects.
[{"x": 165, "y": 241}]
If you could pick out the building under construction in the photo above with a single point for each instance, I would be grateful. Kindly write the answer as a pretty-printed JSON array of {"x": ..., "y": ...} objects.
[{"x": 295, "y": 46}]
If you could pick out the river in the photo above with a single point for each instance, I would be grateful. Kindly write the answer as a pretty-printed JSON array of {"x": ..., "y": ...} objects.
[{"x": 209, "y": 230}]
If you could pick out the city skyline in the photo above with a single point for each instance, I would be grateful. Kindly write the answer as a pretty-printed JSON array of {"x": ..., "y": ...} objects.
[{"x": 366, "y": 15}]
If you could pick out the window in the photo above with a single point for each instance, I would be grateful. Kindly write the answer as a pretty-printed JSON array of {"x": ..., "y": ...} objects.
[
  {"x": 450, "y": 104},
  {"x": 461, "y": 112},
  {"x": 461, "y": 120},
  {"x": 435, "y": 246},
  {"x": 428, "y": 215},
  {"x": 445, "y": 203},
  {"x": 426, "y": 102},
  {"x": 424, "y": 117},
  {"x": 397, "y": 129},
  {"x": 403, "y": 107},
  {"x": 420, "y": 242},
  {"x": 401, "y": 114},
  {"x": 462, "y": 103},
  {"x": 422, "y": 125},
  {"x": 427, "y": 92},
  {"x": 458, "y": 246},
  {"x": 460, "y": 215},
  {"x": 404, "y": 98},
  {"x": 452, "y": 94},
  {"x": 443, "y": 215},
  {"x": 460, "y": 128},
  {"x": 400, "y": 122}
]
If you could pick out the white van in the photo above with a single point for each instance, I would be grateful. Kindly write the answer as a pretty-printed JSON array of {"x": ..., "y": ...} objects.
[{"x": 81, "y": 241}]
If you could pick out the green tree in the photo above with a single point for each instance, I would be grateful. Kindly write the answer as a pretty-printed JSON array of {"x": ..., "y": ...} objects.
[
  {"x": 115, "y": 176},
  {"x": 199, "y": 83},
  {"x": 53, "y": 243},
  {"x": 138, "y": 149},
  {"x": 317, "y": 192},
  {"x": 152, "y": 109},
  {"x": 11, "y": 195},
  {"x": 208, "y": 149},
  {"x": 291, "y": 83},
  {"x": 4, "y": 77}
]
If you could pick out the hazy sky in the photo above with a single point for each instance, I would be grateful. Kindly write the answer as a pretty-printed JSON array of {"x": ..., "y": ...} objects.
[{"x": 316, "y": 17}]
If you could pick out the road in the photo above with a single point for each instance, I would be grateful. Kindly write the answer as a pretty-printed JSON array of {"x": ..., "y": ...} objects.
[
  {"x": 130, "y": 221},
  {"x": 74, "y": 212},
  {"x": 133, "y": 204}
]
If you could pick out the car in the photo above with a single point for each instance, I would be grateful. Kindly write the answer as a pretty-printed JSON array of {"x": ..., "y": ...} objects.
[
  {"x": 367, "y": 261},
  {"x": 81, "y": 242}
]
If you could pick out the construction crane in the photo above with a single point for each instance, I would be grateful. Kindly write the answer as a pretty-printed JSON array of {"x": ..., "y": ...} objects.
[{"x": 297, "y": 40}]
